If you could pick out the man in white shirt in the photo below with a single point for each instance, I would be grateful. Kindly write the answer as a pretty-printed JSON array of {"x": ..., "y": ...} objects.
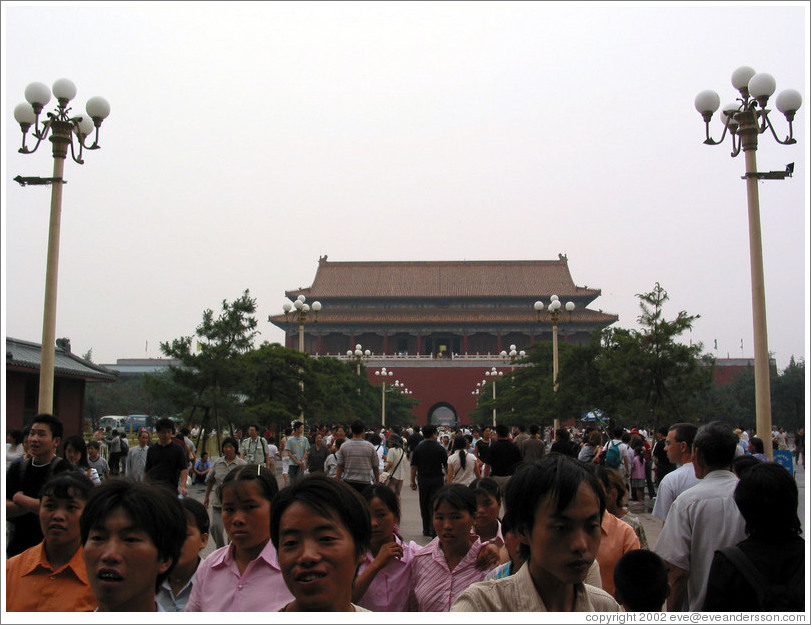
[
  {"x": 679, "y": 447},
  {"x": 703, "y": 519}
]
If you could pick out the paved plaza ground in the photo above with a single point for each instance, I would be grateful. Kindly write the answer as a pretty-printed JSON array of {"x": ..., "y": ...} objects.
[{"x": 411, "y": 523}]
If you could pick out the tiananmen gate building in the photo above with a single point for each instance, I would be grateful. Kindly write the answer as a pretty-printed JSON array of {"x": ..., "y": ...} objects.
[{"x": 439, "y": 324}]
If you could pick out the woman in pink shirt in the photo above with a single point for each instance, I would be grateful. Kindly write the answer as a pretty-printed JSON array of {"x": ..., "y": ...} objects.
[
  {"x": 384, "y": 576},
  {"x": 446, "y": 566},
  {"x": 245, "y": 575}
]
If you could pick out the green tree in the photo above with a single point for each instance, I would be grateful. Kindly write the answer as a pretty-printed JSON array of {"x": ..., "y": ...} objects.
[
  {"x": 634, "y": 376},
  {"x": 788, "y": 396},
  {"x": 212, "y": 366}
]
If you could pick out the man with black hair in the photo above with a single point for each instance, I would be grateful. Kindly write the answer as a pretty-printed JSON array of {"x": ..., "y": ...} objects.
[
  {"x": 25, "y": 479},
  {"x": 661, "y": 463},
  {"x": 503, "y": 457},
  {"x": 555, "y": 507},
  {"x": 429, "y": 464},
  {"x": 254, "y": 449},
  {"x": 357, "y": 461},
  {"x": 679, "y": 449},
  {"x": 132, "y": 534},
  {"x": 297, "y": 447},
  {"x": 166, "y": 462},
  {"x": 702, "y": 518}
]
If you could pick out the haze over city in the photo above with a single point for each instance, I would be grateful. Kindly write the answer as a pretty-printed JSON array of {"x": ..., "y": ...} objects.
[{"x": 246, "y": 140}]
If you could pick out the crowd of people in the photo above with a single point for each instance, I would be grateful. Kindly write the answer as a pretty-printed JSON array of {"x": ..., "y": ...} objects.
[{"x": 517, "y": 519}]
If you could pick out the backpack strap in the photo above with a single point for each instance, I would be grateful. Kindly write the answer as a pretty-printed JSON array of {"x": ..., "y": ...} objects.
[{"x": 749, "y": 571}]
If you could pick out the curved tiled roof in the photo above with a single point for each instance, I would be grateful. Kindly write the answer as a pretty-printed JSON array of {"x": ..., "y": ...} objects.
[
  {"x": 445, "y": 279},
  {"x": 28, "y": 356}
]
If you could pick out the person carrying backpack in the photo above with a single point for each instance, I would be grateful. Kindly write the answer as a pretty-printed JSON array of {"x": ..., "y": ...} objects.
[
  {"x": 615, "y": 453},
  {"x": 766, "y": 571}
]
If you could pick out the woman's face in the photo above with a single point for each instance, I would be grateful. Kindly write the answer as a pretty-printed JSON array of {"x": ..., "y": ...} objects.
[
  {"x": 452, "y": 525},
  {"x": 318, "y": 560},
  {"x": 72, "y": 455},
  {"x": 383, "y": 522},
  {"x": 246, "y": 514},
  {"x": 318, "y": 440},
  {"x": 487, "y": 509}
]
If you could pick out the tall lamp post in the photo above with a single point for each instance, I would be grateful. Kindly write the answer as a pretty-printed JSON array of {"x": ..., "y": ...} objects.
[
  {"x": 554, "y": 314},
  {"x": 512, "y": 356},
  {"x": 59, "y": 128},
  {"x": 494, "y": 374},
  {"x": 359, "y": 355},
  {"x": 300, "y": 310},
  {"x": 745, "y": 119},
  {"x": 383, "y": 373}
]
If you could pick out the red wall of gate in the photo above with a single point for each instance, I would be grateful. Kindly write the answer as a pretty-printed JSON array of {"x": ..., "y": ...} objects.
[{"x": 443, "y": 383}]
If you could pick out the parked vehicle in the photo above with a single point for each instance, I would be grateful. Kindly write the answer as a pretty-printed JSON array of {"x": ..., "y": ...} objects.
[{"x": 130, "y": 424}]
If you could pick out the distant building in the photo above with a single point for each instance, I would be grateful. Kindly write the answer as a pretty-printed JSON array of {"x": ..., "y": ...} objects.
[
  {"x": 440, "y": 308},
  {"x": 726, "y": 370},
  {"x": 131, "y": 367},
  {"x": 71, "y": 373},
  {"x": 439, "y": 324}
]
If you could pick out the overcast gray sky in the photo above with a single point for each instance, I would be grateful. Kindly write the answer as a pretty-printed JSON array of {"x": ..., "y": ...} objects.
[{"x": 248, "y": 139}]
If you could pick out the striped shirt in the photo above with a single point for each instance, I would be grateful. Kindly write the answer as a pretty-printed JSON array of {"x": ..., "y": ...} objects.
[
  {"x": 357, "y": 459},
  {"x": 434, "y": 587}
]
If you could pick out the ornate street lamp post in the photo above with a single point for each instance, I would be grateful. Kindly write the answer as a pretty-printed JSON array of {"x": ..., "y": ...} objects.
[
  {"x": 745, "y": 119},
  {"x": 300, "y": 310},
  {"x": 494, "y": 374},
  {"x": 301, "y": 314},
  {"x": 59, "y": 128},
  {"x": 359, "y": 355},
  {"x": 554, "y": 314},
  {"x": 383, "y": 373}
]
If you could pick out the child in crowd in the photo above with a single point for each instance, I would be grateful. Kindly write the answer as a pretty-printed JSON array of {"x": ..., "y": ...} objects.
[
  {"x": 174, "y": 591},
  {"x": 640, "y": 581},
  {"x": 51, "y": 576},
  {"x": 638, "y": 473},
  {"x": 386, "y": 568},
  {"x": 97, "y": 461},
  {"x": 446, "y": 566},
  {"x": 75, "y": 452},
  {"x": 331, "y": 463},
  {"x": 488, "y": 508}
]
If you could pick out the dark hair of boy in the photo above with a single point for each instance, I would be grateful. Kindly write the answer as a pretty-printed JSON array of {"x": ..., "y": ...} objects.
[
  {"x": 154, "y": 509},
  {"x": 640, "y": 581}
]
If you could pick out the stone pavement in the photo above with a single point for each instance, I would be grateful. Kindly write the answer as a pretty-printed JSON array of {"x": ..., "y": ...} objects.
[{"x": 411, "y": 523}]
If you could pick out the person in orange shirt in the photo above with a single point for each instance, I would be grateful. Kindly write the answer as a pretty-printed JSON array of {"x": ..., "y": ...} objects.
[
  {"x": 51, "y": 576},
  {"x": 618, "y": 537}
]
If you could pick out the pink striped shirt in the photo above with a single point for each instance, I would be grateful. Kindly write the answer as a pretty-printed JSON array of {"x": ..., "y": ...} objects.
[
  {"x": 388, "y": 591},
  {"x": 219, "y": 586},
  {"x": 434, "y": 587}
]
